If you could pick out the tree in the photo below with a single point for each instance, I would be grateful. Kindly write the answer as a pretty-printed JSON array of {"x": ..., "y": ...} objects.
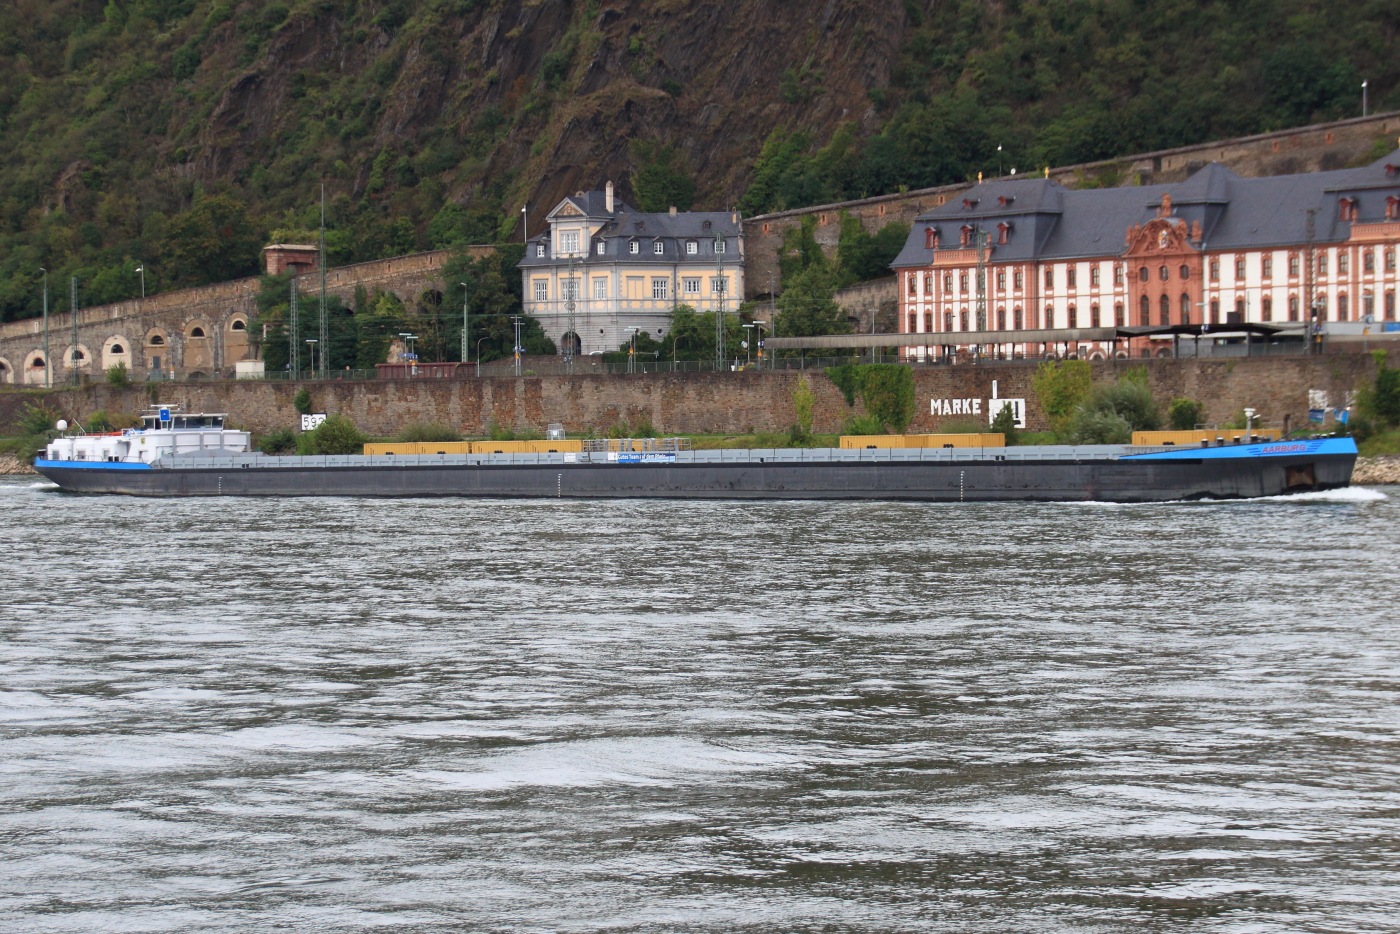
[
  {"x": 336, "y": 435},
  {"x": 214, "y": 241},
  {"x": 806, "y": 307},
  {"x": 861, "y": 256},
  {"x": 1005, "y": 423},
  {"x": 803, "y": 400},
  {"x": 660, "y": 181},
  {"x": 1061, "y": 387}
]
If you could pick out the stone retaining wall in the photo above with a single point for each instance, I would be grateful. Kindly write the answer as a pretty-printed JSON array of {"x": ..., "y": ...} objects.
[{"x": 724, "y": 402}]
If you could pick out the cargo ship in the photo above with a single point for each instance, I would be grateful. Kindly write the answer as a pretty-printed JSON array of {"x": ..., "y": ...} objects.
[{"x": 195, "y": 455}]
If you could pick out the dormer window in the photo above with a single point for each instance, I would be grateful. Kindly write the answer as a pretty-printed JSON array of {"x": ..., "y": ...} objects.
[
  {"x": 634, "y": 247},
  {"x": 692, "y": 248},
  {"x": 1004, "y": 200},
  {"x": 641, "y": 225},
  {"x": 568, "y": 241},
  {"x": 964, "y": 235},
  {"x": 539, "y": 249},
  {"x": 1004, "y": 232},
  {"x": 1392, "y": 169},
  {"x": 598, "y": 247},
  {"x": 719, "y": 245},
  {"x": 658, "y": 247},
  {"x": 705, "y": 225},
  {"x": 1392, "y": 208},
  {"x": 1348, "y": 209},
  {"x": 969, "y": 203},
  {"x": 930, "y": 238}
]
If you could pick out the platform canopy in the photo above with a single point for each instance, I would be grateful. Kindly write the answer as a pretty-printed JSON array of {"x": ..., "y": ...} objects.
[{"x": 1037, "y": 336}]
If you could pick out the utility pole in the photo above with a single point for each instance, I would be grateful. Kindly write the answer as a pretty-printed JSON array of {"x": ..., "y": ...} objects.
[
  {"x": 570, "y": 304},
  {"x": 73, "y": 313},
  {"x": 721, "y": 285},
  {"x": 466, "y": 347},
  {"x": 293, "y": 332},
  {"x": 516, "y": 320},
  {"x": 325, "y": 329},
  {"x": 142, "y": 270},
  {"x": 48, "y": 364}
]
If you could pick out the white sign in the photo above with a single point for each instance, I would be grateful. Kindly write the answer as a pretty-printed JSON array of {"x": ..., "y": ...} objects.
[
  {"x": 946, "y": 407},
  {"x": 957, "y": 406},
  {"x": 312, "y": 422}
]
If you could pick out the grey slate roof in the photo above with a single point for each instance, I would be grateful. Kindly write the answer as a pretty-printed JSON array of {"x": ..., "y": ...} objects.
[
  {"x": 1051, "y": 222},
  {"x": 624, "y": 224}
]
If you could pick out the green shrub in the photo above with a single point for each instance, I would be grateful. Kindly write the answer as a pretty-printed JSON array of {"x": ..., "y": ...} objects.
[
  {"x": 1184, "y": 415},
  {"x": 497, "y": 432},
  {"x": 118, "y": 376},
  {"x": 1130, "y": 399},
  {"x": 961, "y": 426},
  {"x": 37, "y": 418},
  {"x": 1097, "y": 426},
  {"x": 336, "y": 435},
  {"x": 863, "y": 425},
  {"x": 302, "y": 401},
  {"x": 803, "y": 401},
  {"x": 280, "y": 441},
  {"x": 426, "y": 432},
  {"x": 886, "y": 388},
  {"x": 1005, "y": 422}
]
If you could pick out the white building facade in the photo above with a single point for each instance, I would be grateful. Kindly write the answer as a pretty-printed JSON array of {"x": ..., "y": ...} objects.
[{"x": 624, "y": 270}]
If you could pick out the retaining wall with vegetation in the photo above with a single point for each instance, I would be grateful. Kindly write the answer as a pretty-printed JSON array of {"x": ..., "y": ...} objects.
[{"x": 706, "y": 402}]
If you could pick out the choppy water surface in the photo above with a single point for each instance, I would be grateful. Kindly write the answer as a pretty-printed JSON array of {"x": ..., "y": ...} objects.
[{"x": 344, "y": 715}]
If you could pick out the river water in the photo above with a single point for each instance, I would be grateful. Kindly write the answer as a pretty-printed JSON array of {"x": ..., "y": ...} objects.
[{"x": 417, "y": 716}]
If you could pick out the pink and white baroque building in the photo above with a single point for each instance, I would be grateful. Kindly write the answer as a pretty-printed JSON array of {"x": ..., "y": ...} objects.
[{"x": 1216, "y": 249}]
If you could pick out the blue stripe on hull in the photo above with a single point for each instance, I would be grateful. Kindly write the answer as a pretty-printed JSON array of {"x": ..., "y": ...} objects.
[
  {"x": 1270, "y": 449},
  {"x": 40, "y": 463}
]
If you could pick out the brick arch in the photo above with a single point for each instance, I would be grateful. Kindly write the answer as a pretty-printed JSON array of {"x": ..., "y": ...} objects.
[
  {"x": 117, "y": 349},
  {"x": 33, "y": 372},
  {"x": 70, "y": 354}
]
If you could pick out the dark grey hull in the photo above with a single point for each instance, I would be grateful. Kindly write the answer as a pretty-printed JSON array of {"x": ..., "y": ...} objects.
[{"x": 1112, "y": 480}]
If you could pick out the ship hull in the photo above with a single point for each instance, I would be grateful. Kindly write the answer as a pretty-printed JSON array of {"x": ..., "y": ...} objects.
[{"x": 1121, "y": 479}]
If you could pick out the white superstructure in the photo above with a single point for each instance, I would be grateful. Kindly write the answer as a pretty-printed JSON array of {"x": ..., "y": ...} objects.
[{"x": 162, "y": 432}]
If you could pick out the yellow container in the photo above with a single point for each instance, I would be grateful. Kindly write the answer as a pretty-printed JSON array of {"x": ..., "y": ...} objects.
[
  {"x": 1197, "y": 437},
  {"x": 472, "y": 447},
  {"x": 860, "y": 442},
  {"x": 419, "y": 447},
  {"x": 526, "y": 447}
]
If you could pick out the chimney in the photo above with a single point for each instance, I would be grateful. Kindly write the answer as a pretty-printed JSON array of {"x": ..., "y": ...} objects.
[
  {"x": 673, "y": 210},
  {"x": 609, "y": 202}
]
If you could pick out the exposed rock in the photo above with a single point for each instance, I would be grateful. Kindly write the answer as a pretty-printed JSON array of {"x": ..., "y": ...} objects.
[
  {"x": 1384, "y": 468},
  {"x": 12, "y": 466}
]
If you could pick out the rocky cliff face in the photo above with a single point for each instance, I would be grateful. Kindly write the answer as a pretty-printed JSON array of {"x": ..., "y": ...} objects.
[{"x": 549, "y": 94}]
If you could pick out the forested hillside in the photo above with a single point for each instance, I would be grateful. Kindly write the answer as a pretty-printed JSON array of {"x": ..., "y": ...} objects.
[{"x": 182, "y": 134}]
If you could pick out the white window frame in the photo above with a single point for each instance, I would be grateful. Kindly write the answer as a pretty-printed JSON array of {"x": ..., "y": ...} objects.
[
  {"x": 539, "y": 249},
  {"x": 570, "y": 289},
  {"x": 601, "y": 247},
  {"x": 658, "y": 246},
  {"x": 541, "y": 290},
  {"x": 719, "y": 285},
  {"x": 660, "y": 288},
  {"x": 690, "y": 285},
  {"x": 568, "y": 241},
  {"x": 692, "y": 248},
  {"x": 600, "y": 288},
  {"x": 634, "y": 247},
  {"x": 720, "y": 245}
]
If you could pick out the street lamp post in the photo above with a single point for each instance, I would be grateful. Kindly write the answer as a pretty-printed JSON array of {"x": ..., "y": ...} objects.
[
  {"x": 478, "y": 352},
  {"x": 311, "y": 353},
  {"x": 525, "y": 229},
  {"x": 466, "y": 346},
  {"x": 1364, "y": 85},
  {"x": 142, "y": 270},
  {"x": 760, "y": 325}
]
